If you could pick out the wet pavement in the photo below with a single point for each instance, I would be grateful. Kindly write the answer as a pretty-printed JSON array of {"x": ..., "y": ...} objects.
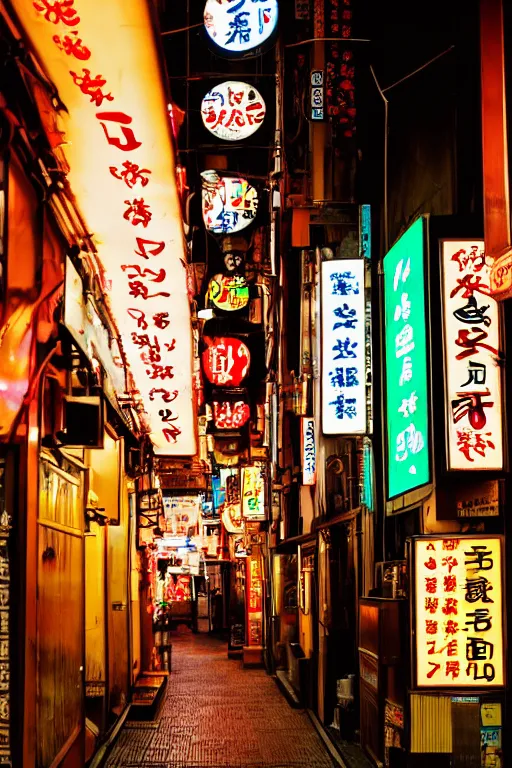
[{"x": 216, "y": 714}]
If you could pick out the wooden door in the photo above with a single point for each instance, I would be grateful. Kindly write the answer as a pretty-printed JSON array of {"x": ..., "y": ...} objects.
[{"x": 60, "y": 618}]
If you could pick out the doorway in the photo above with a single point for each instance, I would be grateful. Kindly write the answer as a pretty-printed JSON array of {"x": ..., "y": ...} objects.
[{"x": 60, "y": 616}]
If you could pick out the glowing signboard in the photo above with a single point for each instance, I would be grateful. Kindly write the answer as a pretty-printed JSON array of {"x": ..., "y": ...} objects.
[
  {"x": 472, "y": 355},
  {"x": 228, "y": 292},
  {"x": 253, "y": 493},
  {"x": 407, "y": 405},
  {"x": 343, "y": 347},
  {"x": 225, "y": 361},
  {"x": 233, "y": 110},
  {"x": 240, "y": 26},
  {"x": 231, "y": 414},
  {"x": 317, "y": 95},
  {"x": 308, "y": 446},
  {"x": 229, "y": 203},
  {"x": 102, "y": 59},
  {"x": 458, "y": 602}
]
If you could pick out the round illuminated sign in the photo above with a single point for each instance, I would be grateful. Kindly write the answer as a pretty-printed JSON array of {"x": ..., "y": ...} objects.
[
  {"x": 225, "y": 361},
  {"x": 231, "y": 415},
  {"x": 240, "y": 26},
  {"x": 233, "y": 111},
  {"x": 229, "y": 203},
  {"x": 229, "y": 292}
]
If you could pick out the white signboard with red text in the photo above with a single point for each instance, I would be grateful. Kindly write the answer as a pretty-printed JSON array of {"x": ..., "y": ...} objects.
[
  {"x": 458, "y": 610},
  {"x": 103, "y": 61},
  {"x": 233, "y": 110},
  {"x": 472, "y": 353}
]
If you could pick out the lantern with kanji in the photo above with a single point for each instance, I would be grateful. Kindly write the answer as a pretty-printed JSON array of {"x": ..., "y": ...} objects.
[{"x": 225, "y": 360}]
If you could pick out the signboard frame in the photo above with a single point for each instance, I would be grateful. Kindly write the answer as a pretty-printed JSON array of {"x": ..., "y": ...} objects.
[
  {"x": 406, "y": 496},
  {"x": 411, "y": 554},
  {"x": 497, "y": 328}
]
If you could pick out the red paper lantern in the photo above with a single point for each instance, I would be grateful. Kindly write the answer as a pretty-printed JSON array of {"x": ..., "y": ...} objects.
[
  {"x": 225, "y": 361},
  {"x": 231, "y": 415}
]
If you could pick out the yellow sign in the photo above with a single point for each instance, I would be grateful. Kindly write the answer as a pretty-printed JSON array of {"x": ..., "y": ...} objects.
[
  {"x": 491, "y": 713},
  {"x": 458, "y": 605}
]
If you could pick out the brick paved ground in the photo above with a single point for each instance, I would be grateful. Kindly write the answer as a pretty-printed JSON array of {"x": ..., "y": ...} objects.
[{"x": 218, "y": 715}]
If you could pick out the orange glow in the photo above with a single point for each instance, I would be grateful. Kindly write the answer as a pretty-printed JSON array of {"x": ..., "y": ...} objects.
[{"x": 103, "y": 60}]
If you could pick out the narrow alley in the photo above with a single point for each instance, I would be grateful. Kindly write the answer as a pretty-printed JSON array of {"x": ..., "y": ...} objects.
[{"x": 218, "y": 715}]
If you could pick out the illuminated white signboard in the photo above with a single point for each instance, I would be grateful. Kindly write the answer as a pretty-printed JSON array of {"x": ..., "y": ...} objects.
[
  {"x": 472, "y": 353},
  {"x": 253, "y": 493},
  {"x": 229, "y": 203},
  {"x": 240, "y": 26},
  {"x": 102, "y": 59},
  {"x": 458, "y": 605},
  {"x": 308, "y": 445},
  {"x": 233, "y": 111},
  {"x": 343, "y": 347}
]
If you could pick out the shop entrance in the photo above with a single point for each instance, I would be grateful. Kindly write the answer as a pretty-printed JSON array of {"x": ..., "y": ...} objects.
[{"x": 60, "y": 616}]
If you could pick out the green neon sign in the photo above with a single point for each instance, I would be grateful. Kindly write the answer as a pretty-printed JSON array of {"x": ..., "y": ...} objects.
[{"x": 407, "y": 407}]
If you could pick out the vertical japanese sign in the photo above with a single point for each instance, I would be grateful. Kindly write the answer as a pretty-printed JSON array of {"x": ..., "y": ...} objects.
[
  {"x": 5, "y": 623},
  {"x": 458, "y": 604},
  {"x": 317, "y": 95},
  {"x": 116, "y": 140},
  {"x": 308, "y": 446},
  {"x": 407, "y": 407},
  {"x": 343, "y": 347},
  {"x": 472, "y": 353},
  {"x": 253, "y": 493}
]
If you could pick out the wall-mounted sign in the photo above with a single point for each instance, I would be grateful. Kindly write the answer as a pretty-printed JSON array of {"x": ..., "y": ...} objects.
[
  {"x": 253, "y": 493},
  {"x": 228, "y": 292},
  {"x": 317, "y": 106},
  {"x": 485, "y": 503},
  {"x": 83, "y": 322},
  {"x": 407, "y": 407},
  {"x": 302, "y": 9},
  {"x": 472, "y": 353},
  {"x": 458, "y": 606},
  {"x": 230, "y": 414},
  {"x": 233, "y": 110},
  {"x": 343, "y": 347},
  {"x": 308, "y": 451},
  {"x": 232, "y": 510},
  {"x": 122, "y": 174},
  {"x": 226, "y": 361},
  {"x": 181, "y": 514},
  {"x": 229, "y": 203},
  {"x": 239, "y": 27}
]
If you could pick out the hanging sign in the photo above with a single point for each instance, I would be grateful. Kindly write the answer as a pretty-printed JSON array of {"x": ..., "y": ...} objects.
[
  {"x": 317, "y": 107},
  {"x": 230, "y": 414},
  {"x": 472, "y": 354},
  {"x": 117, "y": 143},
  {"x": 253, "y": 493},
  {"x": 407, "y": 410},
  {"x": 225, "y": 361},
  {"x": 343, "y": 347},
  {"x": 308, "y": 451},
  {"x": 228, "y": 292},
  {"x": 240, "y": 26},
  {"x": 458, "y": 602},
  {"x": 229, "y": 203},
  {"x": 233, "y": 111}
]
